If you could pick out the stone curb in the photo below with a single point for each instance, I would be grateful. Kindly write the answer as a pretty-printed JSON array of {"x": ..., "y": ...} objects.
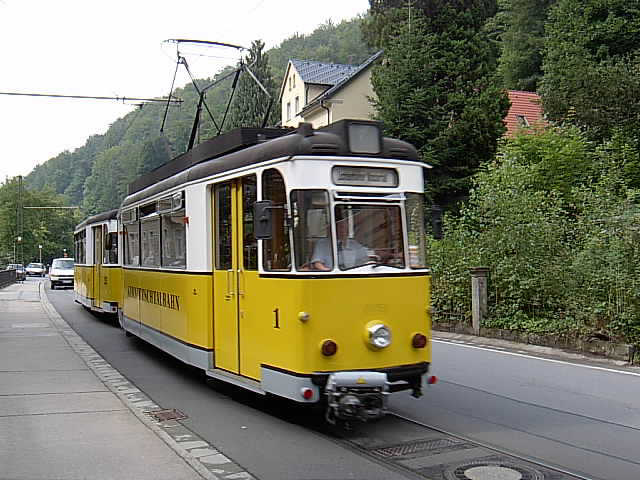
[
  {"x": 615, "y": 351},
  {"x": 578, "y": 358},
  {"x": 198, "y": 453}
]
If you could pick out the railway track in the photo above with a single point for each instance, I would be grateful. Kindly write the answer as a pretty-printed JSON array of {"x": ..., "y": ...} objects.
[{"x": 424, "y": 452}]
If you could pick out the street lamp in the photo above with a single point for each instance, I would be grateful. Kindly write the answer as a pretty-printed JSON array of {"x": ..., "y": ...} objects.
[{"x": 40, "y": 248}]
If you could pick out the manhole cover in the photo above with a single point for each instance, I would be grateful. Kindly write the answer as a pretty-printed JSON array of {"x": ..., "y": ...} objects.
[
  {"x": 493, "y": 473},
  {"x": 164, "y": 415},
  {"x": 492, "y": 470},
  {"x": 418, "y": 446}
]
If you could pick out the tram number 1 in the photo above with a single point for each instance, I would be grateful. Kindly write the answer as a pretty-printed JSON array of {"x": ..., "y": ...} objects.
[{"x": 276, "y": 312}]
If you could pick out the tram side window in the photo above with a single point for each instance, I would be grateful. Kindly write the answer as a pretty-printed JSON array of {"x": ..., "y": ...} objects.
[
  {"x": 414, "y": 211},
  {"x": 311, "y": 232},
  {"x": 132, "y": 244},
  {"x": 276, "y": 252},
  {"x": 249, "y": 242},
  {"x": 224, "y": 232},
  {"x": 174, "y": 240},
  {"x": 110, "y": 248},
  {"x": 150, "y": 242},
  {"x": 80, "y": 249}
]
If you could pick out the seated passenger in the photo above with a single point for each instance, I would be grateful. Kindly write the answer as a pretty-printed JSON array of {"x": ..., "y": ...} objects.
[{"x": 351, "y": 253}]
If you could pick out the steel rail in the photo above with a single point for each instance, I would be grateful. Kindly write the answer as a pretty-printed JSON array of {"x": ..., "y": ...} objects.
[{"x": 504, "y": 451}]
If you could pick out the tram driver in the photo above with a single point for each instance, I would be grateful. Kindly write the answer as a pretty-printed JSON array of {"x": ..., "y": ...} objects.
[{"x": 351, "y": 253}]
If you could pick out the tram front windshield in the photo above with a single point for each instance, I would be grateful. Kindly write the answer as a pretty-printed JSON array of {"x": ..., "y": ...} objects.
[{"x": 365, "y": 234}]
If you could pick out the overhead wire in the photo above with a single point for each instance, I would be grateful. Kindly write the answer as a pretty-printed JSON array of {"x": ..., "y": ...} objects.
[{"x": 90, "y": 97}]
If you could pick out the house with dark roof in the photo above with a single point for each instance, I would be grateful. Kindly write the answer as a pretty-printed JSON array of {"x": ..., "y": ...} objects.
[
  {"x": 322, "y": 93},
  {"x": 525, "y": 112}
]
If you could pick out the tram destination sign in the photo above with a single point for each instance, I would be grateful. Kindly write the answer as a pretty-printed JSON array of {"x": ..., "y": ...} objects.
[{"x": 364, "y": 176}]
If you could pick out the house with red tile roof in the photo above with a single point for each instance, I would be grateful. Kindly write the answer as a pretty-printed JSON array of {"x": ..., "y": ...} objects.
[{"x": 525, "y": 112}]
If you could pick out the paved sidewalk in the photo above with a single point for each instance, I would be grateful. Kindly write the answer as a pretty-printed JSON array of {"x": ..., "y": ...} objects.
[{"x": 58, "y": 419}]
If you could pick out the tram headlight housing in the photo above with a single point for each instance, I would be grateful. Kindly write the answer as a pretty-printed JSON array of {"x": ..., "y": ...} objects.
[{"x": 379, "y": 335}]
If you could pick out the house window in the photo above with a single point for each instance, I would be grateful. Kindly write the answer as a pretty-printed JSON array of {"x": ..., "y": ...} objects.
[
  {"x": 522, "y": 121},
  {"x": 297, "y": 106},
  {"x": 288, "y": 110},
  {"x": 293, "y": 77},
  {"x": 289, "y": 83}
]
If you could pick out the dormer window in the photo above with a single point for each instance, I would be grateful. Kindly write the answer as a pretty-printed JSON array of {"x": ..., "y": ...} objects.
[{"x": 522, "y": 121}]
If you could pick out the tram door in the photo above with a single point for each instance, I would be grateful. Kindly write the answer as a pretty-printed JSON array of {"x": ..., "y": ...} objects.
[
  {"x": 97, "y": 262},
  {"x": 235, "y": 265}
]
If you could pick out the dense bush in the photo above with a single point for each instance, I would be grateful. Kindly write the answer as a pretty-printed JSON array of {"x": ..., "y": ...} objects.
[{"x": 557, "y": 224}]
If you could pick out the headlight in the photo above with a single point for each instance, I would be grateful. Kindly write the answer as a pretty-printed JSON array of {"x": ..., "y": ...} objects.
[
  {"x": 53, "y": 277},
  {"x": 379, "y": 335}
]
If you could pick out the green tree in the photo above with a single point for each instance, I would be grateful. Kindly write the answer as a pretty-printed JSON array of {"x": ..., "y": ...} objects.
[
  {"x": 591, "y": 65},
  {"x": 250, "y": 104},
  {"x": 380, "y": 24},
  {"x": 523, "y": 42},
  {"x": 556, "y": 222},
  {"x": 111, "y": 174},
  {"x": 51, "y": 228},
  {"x": 330, "y": 42},
  {"x": 154, "y": 153},
  {"x": 437, "y": 89}
]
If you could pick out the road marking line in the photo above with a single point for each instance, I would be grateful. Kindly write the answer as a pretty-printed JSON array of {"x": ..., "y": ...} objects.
[{"x": 612, "y": 370}]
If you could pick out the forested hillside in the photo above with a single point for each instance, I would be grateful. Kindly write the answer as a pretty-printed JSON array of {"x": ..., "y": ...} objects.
[
  {"x": 553, "y": 213},
  {"x": 95, "y": 176}
]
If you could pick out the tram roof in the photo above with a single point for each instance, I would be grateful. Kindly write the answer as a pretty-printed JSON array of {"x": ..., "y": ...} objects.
[
  {"x": 100, "y": 217},
  {"x": 248, "y": 146}
]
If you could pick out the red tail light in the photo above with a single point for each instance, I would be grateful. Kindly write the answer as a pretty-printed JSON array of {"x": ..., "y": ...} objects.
[
  {"x": 419, "y": 341},
  {"x": 307, "y": 393},
  {"x": 432, "y": 380},
  {"x": 329, "y": 348}
]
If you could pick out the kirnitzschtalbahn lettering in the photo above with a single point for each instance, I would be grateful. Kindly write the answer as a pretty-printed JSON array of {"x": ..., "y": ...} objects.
[{"x": 162, "y": 299}]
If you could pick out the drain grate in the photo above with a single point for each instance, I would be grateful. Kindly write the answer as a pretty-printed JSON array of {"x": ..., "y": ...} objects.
[
  {"x": 169, "y": 414},
  {"x": 417, "y": 446}
]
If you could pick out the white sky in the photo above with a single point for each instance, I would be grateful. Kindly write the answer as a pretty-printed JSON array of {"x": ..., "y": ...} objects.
[{"x": 114, "y": 48}]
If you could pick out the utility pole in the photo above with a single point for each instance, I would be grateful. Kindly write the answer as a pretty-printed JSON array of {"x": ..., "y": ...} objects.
[{"x": 19, "y": 221}]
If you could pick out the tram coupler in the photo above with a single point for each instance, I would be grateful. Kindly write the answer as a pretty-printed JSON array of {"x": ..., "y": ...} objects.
[{"x": 358, "y": 396}]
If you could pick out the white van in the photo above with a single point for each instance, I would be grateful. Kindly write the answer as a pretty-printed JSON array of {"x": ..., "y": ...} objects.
[{"x": 61, "y": 272}]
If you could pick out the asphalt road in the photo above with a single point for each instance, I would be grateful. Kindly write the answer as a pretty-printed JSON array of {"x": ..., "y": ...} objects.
[
  {"x": 256, "y": 433},
  {"x": 581, "y": 418}
]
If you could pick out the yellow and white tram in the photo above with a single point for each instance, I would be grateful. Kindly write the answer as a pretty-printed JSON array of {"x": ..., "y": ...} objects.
[
  {"x": 98, "y": 272},
  {"x": 293, "y": 265}
]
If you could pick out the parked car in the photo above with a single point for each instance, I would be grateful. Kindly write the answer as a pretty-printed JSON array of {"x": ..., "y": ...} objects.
[
  {"x": 36, "y": 269},
  {"x": 21, "y": 273},
  {"x": 61, "y": 272}
]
